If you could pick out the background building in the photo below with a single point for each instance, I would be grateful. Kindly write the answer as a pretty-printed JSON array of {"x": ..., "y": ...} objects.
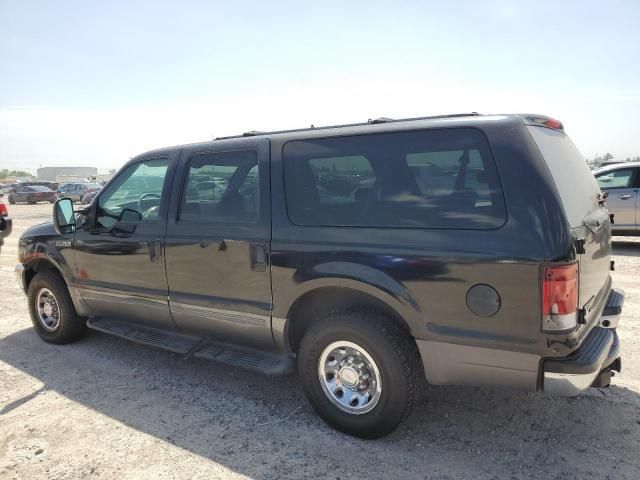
[{"x": 51, "y": 174}]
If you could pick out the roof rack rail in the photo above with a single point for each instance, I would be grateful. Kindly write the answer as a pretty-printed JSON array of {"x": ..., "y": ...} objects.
[
  {"x": 375, "y": 121},
  {"x": 253, "y": 133}
]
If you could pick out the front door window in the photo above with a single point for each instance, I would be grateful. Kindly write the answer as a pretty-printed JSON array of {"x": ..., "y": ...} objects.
[{"x": 136, "y": 194}]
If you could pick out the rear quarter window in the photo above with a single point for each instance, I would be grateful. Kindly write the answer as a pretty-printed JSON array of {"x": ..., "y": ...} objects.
[{"x": 443, "y": 178}]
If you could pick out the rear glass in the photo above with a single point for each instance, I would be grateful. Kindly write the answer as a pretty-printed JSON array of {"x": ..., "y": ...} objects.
[
  {"x": 418, "y": 179},
  {"x": 574, "y": 181}
]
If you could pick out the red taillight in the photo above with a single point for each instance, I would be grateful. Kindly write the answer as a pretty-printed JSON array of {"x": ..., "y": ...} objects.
[
  {"x": 545, "y": 122},
  {"x": 3, "y": 209},
  {"x": 559, "y": 296},
  {"x": 551, "y": 123}
]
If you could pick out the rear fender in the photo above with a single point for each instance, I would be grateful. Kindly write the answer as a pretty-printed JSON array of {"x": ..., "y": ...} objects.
[{"x": 362, "y": 279}]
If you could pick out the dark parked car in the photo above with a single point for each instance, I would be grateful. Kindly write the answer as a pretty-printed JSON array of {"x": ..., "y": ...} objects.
[
  {"x": 466, "y": 249},
  {"x": 5, "y": 222},
  {"x": 31, "y": 194},
  {"x": 621, "y": 182},
  {"x": 51, "y": 185}
]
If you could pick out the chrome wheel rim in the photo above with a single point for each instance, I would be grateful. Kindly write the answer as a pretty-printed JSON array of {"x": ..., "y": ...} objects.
[
  {"x": 350, "y": 377},
  {"x": 47, "y": 310}
]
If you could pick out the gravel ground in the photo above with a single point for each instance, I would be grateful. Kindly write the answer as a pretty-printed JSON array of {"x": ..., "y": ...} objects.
[{"x": 107, "y": 408}]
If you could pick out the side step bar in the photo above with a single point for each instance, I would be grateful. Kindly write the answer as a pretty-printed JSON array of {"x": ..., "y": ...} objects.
[{"x": 192, "y": 346}]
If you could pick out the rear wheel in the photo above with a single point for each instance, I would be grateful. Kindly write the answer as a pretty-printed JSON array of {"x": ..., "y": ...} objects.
[
  {"x": 360, "y": 372},
  {"x": 11, "y": 200},
  {"x": 52, "y": 312}
]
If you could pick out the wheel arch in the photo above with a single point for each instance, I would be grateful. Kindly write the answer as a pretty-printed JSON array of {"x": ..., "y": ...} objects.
[
  {"x": 45, "y": 263},
  {"x": 309, "y": 307},
  {"x": 36, "y": 266}
]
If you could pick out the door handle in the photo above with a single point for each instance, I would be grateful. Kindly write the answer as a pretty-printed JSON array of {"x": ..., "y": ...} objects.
[
  {"x": 155, "y": 251},
  {"x": 625, "y": 196},
  {"x": 258, "y": 257}
]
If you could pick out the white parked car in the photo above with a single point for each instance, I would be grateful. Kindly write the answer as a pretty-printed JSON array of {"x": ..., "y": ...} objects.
[{"x": 622, "y": 183}]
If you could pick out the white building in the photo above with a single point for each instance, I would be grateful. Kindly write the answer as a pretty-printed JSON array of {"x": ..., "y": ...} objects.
[{"x": 51, "y": 174}]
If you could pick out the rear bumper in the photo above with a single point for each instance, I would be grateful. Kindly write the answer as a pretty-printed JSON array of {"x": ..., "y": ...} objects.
[
  {"x": 588, "y": 366},
  {"x": 613, "y": 309},
  {"x": 592, "y": 363}
]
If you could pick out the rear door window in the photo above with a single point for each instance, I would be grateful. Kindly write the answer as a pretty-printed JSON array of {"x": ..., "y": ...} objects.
[
  {"x": 418, "y": 179},
  {"x": 221, "y": 187}
]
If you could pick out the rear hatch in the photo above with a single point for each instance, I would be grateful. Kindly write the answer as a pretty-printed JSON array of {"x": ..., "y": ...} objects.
[{"x": 588, "y": 219}]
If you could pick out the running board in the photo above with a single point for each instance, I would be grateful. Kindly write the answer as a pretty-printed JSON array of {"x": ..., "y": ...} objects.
[{"x": 192, "y": 346}]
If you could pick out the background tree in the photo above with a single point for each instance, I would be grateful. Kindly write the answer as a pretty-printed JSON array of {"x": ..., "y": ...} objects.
[{"x": 4, "y": 173}]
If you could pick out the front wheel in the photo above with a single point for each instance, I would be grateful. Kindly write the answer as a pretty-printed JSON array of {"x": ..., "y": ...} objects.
[
  {"x": 51, "y": 308},
  {"x": 360, "y": 372}
]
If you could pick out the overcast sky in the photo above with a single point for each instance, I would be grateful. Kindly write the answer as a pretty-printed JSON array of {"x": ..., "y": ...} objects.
[{"x": 95, "y": 83}]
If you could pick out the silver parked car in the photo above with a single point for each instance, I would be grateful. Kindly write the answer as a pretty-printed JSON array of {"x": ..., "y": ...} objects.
[
  {"x": 77, "y": 191},
  {"x": 622, "y": 183}
]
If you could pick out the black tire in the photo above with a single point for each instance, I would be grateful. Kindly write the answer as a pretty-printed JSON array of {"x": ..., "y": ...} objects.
[
  {"x": 11, "y": 200},
  {"x": 395, "y": 354},
  {"x": 70, "y": 327}
]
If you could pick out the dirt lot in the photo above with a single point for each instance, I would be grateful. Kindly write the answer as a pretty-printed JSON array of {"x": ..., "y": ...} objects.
[{"x": 106, "y": 408}]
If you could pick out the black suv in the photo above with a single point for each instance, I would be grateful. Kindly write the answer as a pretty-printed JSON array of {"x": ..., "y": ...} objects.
[{"x": 464, "y": 249}]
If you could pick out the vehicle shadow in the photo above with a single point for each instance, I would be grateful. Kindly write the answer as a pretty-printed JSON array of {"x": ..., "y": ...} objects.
[{"x": 262, "y": 427}]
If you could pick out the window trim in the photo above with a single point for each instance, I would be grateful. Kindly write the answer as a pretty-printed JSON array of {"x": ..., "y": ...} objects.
[
  {"x": 503, "y": 198},
  {"x": 185, "y": 179}
]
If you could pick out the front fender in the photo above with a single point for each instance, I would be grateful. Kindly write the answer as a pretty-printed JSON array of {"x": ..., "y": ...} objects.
[{"x": 42, "y": 243}]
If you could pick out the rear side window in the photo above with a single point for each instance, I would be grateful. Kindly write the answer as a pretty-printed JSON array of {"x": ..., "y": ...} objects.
[
  {"x": 221, "y": 187},
  {"x": 616, "y": 179},
  {"x": 418, "y": 179}
]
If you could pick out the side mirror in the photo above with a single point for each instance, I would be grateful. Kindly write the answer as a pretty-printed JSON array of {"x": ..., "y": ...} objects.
[
  {"x": 64, "y": 220},
  {"x": 127, "y": 222}
]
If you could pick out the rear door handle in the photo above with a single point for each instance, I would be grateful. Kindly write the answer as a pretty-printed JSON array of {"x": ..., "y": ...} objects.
[
  {"x": 625, "y": 196},
  {"x": 155, "y": 251},
  {"x": 258, "y": 257}
]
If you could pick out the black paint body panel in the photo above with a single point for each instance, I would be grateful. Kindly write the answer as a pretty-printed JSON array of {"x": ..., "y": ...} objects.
[{"x": 210, "y": 285}]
